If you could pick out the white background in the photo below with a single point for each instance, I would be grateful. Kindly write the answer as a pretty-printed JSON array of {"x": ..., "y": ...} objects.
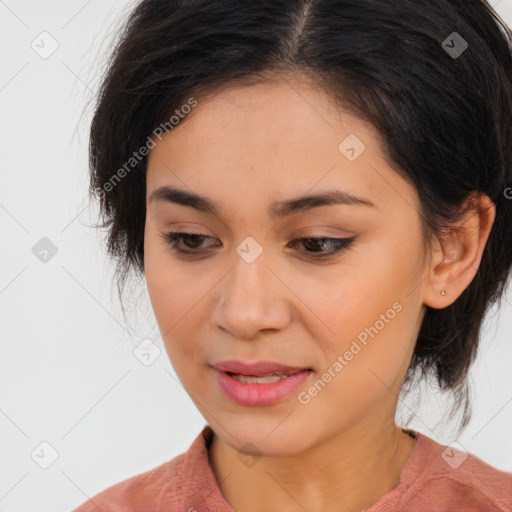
[{"x": 68, "y": 375}]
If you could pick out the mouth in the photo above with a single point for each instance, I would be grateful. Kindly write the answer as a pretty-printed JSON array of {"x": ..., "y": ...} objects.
[
  {"x": 261, "y": 383},
  {"x": 262, "y": 379},
  {"x": 258, "y": 368}
]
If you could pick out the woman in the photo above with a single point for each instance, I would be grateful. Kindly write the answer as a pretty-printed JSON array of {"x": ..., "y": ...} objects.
[{"x": 317, "y": 194}]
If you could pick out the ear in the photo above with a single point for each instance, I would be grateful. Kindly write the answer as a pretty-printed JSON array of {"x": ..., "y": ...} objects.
[{"x": 456, "y": 258}]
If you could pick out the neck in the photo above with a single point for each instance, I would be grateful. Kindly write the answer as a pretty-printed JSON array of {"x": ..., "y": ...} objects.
[{"x": 345, "y": 473}]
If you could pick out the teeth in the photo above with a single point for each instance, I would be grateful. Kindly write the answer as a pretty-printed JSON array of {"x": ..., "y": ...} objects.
[{"x": 260, "y": 379}]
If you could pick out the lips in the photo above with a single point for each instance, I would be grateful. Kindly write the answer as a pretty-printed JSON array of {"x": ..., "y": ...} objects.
[{"x": 260, "y": 383}]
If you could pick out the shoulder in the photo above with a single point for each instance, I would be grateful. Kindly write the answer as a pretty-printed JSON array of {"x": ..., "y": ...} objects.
[
  {"x": 185, "y": 480},
  {"x": 140, "y": 492},
  {"x": 450, "y": 478}
]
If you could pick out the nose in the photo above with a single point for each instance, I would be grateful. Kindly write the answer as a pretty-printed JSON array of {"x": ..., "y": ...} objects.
[{"x": 252, "y": 298}]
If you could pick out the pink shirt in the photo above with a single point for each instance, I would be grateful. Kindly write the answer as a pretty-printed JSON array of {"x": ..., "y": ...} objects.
[{"x": 435, "y": 478}]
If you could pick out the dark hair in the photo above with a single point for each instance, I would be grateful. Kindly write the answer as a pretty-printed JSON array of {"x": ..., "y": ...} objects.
[{"x": 444, "y": 118}]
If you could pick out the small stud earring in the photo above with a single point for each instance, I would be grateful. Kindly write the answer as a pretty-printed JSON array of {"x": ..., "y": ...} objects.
[{"x": 444, "y": 292}]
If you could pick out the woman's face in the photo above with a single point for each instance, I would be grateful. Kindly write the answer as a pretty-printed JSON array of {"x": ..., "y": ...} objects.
[{"x": 252, "y": 291}]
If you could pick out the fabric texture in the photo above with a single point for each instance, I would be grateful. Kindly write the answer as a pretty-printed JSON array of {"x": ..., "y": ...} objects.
[{"x": 436, "y": 478}]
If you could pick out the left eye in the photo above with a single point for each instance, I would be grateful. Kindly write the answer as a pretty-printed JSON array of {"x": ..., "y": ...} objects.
[
  {"x": 193, "y": 244},
  {"x": 337, "y": 244}
]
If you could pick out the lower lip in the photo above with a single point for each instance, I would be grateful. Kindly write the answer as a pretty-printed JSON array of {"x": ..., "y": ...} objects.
[{"x": 259, "y": 394}]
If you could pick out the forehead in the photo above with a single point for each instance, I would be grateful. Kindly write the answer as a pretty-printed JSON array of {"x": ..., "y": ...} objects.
[
  {"x": 277, "y": 113},
  {"x": 277, "y": 140}
]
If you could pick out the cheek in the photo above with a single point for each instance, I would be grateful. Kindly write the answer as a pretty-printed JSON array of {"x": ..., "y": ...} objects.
[
  {"x": 176, "y": 305},
  {"x": 175, "y": 296},
  {"x": 364, "y": 363}
]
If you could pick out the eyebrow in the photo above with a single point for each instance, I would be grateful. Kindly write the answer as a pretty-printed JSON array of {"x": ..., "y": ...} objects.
[{"x": 278, "y": 209}]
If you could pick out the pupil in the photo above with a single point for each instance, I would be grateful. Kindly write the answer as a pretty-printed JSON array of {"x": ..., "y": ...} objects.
[
  {"x": 198, "y": 239},
  {"x": 315, "y": 243}
]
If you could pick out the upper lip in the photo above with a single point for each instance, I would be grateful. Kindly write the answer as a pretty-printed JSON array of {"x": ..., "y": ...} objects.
[{"x": 256, "y": 368}]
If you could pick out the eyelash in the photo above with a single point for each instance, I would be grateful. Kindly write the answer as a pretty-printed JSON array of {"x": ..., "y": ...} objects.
[{"x": 173, "y": 239}]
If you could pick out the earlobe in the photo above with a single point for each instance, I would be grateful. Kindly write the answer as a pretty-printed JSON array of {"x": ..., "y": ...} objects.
[
  {"x": 462, "y": 251},
  {"x": 438, "y": 283}
]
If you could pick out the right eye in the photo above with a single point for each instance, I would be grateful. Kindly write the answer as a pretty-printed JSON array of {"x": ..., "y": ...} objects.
[{"x": 173, "y": 239}]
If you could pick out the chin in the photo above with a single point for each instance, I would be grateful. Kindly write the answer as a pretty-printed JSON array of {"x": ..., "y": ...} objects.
[{"x": 270, "y": 437}]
